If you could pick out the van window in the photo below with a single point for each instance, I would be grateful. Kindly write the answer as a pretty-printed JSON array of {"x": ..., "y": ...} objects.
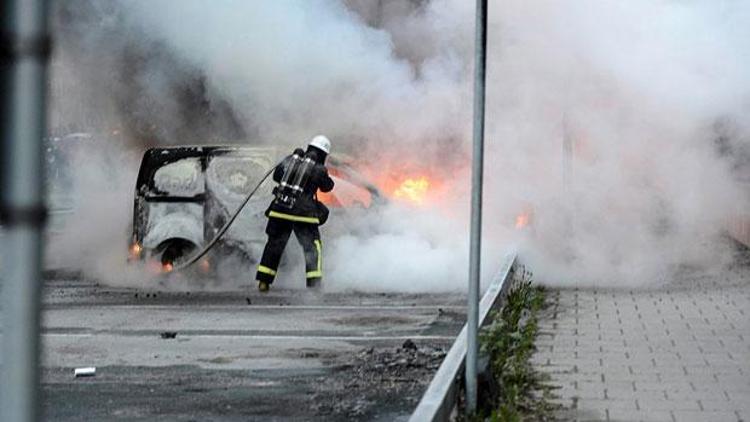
[
  {"x": 231, "y": 177},
  {"x": 182, "y": 178}
]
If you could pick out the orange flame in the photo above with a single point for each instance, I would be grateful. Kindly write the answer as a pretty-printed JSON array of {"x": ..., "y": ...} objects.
[
  {"x": 522, "y": 220},
  {"x": 167, "y": 267},
  {"x": 328, "y": 199},
  {"x": 204, "y": 265},
  {"x": 135, "y": 251},
  {"x": 413, "y": 190},
  {"x": 406, "y": 183}
]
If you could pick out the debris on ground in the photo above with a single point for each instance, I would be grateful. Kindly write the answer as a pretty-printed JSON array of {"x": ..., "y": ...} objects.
[
  {"x": 379, "y": 375},
  {"x": 409, "y": 345}
]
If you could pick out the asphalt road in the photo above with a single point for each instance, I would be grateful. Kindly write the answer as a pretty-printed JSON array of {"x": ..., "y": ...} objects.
[{"x": 287, "y": 355}]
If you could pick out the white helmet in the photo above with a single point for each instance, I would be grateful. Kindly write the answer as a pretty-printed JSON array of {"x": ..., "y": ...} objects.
[{"x": 322, "y": 143}]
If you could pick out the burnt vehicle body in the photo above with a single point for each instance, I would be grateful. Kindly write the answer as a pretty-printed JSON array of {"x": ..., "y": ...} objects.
[{"x": 184, "y": 195}]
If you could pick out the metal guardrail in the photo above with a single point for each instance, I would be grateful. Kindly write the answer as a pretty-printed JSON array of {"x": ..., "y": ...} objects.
[{"x": 441, "y": 396}]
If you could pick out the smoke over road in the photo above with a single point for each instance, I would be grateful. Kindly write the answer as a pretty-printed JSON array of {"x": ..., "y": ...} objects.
[{"x": 619, "y": 130}]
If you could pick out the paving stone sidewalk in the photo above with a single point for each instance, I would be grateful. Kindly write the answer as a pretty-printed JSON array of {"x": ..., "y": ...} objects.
[{"x": 680, "y": 353}]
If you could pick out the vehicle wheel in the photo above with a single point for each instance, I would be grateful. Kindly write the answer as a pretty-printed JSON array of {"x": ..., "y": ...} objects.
[{"x": 174, "y": 251}]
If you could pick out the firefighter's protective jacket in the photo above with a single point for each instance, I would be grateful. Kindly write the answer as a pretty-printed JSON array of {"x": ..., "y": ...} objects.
[{"x": 307, "y": 209}]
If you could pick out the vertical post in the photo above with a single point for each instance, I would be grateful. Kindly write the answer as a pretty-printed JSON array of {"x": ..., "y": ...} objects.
[
  {"x": 24, "y": 49},
  {"x": 477, "y": 168}
]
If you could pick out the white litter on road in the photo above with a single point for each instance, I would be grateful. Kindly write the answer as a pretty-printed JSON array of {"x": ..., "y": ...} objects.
[{"x": 85, "y": 372}]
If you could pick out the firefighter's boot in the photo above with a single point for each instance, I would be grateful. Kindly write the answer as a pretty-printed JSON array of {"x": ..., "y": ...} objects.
[
  {"x": 313, "y": 283},
  {"x": 263, "y": 286}
]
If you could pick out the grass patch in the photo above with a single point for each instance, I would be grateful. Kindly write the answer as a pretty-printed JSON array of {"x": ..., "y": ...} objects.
[{"x": 509, "y": 343}]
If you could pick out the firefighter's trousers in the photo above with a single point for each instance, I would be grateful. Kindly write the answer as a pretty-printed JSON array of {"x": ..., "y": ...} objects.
[{"x": 308, "y": 235}]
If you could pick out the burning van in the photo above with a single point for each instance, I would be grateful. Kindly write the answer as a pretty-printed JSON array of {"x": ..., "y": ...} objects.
[{"x": 185, "y": 195}]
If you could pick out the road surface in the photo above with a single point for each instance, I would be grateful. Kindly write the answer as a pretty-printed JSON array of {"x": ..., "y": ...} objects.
[{"x": 287, "y": 355}]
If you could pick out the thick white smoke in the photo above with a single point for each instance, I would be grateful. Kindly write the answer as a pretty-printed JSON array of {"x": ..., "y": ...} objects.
[
  {"x": 638, "y": 93},
  {"x": 635, "y": 89}
]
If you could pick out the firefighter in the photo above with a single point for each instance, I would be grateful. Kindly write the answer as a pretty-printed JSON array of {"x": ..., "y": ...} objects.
[{"x": 296, "y": 208}]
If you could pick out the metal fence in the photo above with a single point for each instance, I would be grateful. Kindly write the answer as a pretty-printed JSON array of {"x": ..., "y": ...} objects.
[{"x": 441, "y": 397}]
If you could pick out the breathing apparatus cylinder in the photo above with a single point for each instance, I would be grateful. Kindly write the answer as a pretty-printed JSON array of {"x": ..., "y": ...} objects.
[{"x": 296, "y": 174}]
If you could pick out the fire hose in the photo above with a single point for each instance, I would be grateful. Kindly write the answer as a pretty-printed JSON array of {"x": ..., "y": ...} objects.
[{"x": 200, "y": 254}]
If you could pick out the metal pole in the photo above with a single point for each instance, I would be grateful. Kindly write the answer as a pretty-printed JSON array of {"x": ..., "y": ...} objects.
[
  {"x": 480, "y": 64},
  {"x": 24, "y": 49}
]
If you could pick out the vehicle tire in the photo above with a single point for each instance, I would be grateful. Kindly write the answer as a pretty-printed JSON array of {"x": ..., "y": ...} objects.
[{"x": 174, "y": 251}]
